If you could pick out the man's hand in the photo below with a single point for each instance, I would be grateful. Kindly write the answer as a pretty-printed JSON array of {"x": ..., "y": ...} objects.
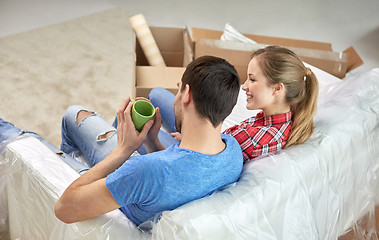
[
  {"x": 128, "y": 138},
  {"x": 152, "y": 135},
  {"x": 88, "y": 196}
]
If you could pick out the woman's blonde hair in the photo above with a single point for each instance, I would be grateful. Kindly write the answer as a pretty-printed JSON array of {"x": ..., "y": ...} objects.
[{"x": 281, "y": 65}]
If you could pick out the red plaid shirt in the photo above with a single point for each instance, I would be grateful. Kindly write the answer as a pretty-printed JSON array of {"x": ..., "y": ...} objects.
[{"x": 261, "y": 135}]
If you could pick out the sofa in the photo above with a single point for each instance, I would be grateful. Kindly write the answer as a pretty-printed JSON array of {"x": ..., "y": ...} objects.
[{"x": 316, "y": 190}]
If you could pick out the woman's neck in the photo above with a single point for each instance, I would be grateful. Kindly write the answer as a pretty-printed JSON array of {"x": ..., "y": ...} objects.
[{"x": 276, "y": 109}]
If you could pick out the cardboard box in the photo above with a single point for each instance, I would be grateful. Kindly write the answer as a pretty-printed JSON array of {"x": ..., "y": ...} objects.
[
  {"x": 318, "y": 54},
  {"x": 176, "y": 48}
]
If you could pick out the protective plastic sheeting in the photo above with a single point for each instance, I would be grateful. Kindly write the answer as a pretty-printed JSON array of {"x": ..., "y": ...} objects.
[
  {"x": 35, "y": 178},
  {"x": 316, "y": 190}
]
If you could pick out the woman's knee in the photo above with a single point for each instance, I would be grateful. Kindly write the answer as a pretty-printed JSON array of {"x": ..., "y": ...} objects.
[
  {"x": 160, "y": 97},
  {"x": 156, "y": 93}
]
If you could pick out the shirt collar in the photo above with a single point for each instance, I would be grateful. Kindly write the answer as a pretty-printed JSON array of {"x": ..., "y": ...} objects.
[{"x": 273, "y": 119}]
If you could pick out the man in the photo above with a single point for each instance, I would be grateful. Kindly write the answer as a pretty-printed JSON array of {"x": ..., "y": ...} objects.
[{"x": 145, "y": 185}]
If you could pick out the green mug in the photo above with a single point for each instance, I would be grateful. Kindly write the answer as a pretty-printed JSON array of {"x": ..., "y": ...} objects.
[{"x": 142, "y": 112}]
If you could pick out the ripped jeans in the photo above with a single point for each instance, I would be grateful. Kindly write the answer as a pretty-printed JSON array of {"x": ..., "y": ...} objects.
[{"x": 93, "y": 136}]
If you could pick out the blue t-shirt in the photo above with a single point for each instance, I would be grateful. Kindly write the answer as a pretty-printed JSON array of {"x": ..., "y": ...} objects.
[{"x": 164, "y": 180}]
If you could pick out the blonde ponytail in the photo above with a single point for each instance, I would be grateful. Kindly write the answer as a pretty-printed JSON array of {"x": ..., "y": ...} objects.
[
  {"x": 281, "y": 65},
  {"x": 302, "y": 125}
]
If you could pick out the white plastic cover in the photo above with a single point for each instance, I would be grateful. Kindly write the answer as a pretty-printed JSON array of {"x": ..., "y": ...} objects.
[
  {"x": 316, "y": 190},
  {"x": 231, "y": 34},
  {"x": 35, "y": 179}
]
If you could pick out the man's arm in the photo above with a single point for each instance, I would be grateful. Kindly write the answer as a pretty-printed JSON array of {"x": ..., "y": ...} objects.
[{"x": 88, "y": 196}]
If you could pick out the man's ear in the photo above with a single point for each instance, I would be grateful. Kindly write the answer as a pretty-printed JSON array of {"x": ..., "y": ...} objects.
[
  {"x": 187, "y": 95},
  {"x": 278, "y": 88}
]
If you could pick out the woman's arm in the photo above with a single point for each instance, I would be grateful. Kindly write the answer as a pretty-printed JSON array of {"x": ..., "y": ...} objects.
[{"x": 177, "y": 136}]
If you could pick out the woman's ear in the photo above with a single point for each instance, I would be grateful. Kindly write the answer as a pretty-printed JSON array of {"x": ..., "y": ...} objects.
[{"x": 278, "y": 88}]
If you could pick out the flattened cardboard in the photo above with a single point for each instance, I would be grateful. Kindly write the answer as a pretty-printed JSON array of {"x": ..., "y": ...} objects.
[
  {"x": 318, "y": 54},
  {"x": 176, "y": 48},
  {"x": 239, "y": 54},
  {"x": 354, "y": 59},
  {"x": 199, "y": 33}
]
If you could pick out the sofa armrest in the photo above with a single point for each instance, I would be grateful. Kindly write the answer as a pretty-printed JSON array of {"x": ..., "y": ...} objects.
[{"x": 36, "y": 177}]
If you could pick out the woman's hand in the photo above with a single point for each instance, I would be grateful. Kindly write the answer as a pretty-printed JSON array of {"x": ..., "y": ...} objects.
[
  {"x": 177, "y": 136},
  {"x": 128, "y": 138}
]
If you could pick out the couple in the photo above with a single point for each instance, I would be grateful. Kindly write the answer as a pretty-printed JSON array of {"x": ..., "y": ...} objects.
[{"x": 204, "y": 160}]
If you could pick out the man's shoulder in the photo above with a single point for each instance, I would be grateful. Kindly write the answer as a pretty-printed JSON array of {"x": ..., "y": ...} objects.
[
  {"x": 180, "y": 155},
  {"x": 167, "y": 154},
  {"x": 233, "y": 149},
  {"x": 230, "y": 141}
]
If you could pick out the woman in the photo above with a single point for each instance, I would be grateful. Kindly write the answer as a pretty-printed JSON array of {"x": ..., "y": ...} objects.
[{"x": 282, "y": 87}]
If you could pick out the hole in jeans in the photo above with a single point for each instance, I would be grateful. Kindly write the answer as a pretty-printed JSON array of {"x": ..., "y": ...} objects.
[
  {"x": 82, "y": 114},
  {"x": 105, "y": 135}
]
